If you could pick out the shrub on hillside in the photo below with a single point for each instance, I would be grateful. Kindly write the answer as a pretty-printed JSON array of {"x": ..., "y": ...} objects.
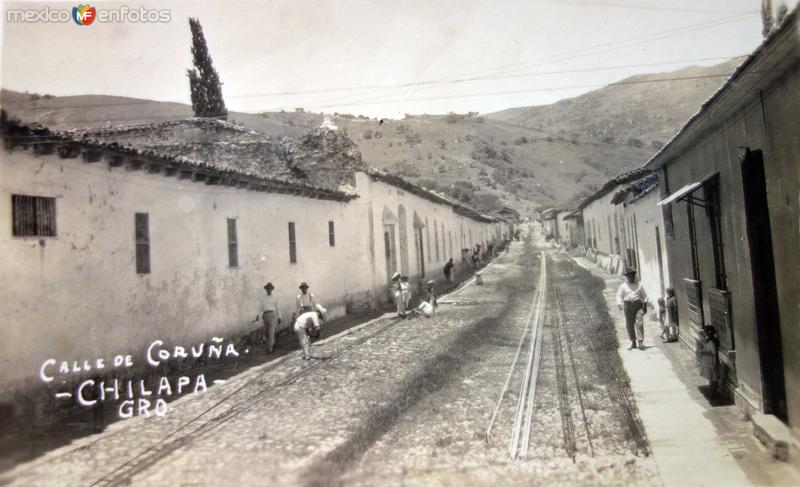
[
  {"x": 404, "y": 168},
  {"x": 634, "y": 142}
]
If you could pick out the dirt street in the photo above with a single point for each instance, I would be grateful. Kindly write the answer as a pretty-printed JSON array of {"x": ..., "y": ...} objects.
[{"x": 513, "y": 382}]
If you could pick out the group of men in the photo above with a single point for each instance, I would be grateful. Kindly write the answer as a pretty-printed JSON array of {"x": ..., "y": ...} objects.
[{"x": 307, "y": 317}]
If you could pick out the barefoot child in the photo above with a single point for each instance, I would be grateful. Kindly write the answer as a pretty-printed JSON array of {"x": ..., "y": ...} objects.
[
  {"x": 662, "y": 319},
  {"x": 672, "y": 314},
  {"x": 640, "y": 328}
]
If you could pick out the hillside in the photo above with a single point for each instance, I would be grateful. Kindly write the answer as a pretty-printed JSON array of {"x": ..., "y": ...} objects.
[
  {"x": 521, "y": 157},
  {"x": 641, "y": 110}
]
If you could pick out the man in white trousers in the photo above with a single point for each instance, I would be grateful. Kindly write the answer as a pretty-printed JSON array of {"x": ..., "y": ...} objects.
[{"x": 301, "y": 326}]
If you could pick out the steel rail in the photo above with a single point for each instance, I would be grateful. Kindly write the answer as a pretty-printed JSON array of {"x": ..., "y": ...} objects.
[
  {"x": 563, "y": 322},
  {"x": 162, "y": 448},
  {"x": 531, "y": 371}
]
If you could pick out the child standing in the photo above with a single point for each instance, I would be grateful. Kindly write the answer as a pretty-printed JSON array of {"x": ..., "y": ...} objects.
[
  {"x": 672, "y": 314},
  {"x": 397, "y": 290},
  {"x": 709, "y": 359},
  {"x": 405, "y": 292},
  {"x": 662, "y": 319},
  {"x": 640, "y": 328}
]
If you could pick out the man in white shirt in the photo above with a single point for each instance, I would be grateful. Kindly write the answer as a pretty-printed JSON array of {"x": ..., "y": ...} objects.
[
  {"x": 631, "y": 298},
  {"x": 305, "y": 300},
  {"x": 270, "y": 313},
  {"x": 304, "y": 321}
]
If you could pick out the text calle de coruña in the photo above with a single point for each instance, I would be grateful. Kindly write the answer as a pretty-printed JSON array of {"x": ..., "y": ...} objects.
[{"x": 135, "y": 396}]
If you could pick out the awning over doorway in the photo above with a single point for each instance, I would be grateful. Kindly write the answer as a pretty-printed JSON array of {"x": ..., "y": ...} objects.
[{"x": 686, "y": 190}]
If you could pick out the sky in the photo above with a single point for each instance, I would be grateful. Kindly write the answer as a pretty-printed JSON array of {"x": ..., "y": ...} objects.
[{"x": 381, "y": 58}]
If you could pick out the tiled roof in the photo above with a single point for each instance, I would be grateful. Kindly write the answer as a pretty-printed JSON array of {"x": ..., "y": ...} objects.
[
  {"x": 620, "y": 179},
  {"x": 429, "y": 195},
  {"x": 201, "y": 141},
  {"x": 636, "y": 189},
  {"x": 214, "y": 148}
]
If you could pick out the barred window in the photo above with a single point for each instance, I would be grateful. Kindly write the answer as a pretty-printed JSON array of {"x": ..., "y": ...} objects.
[
  {"x": 331, "y": 235},
  {"x": 33, "y": 216},
  {"x": 233, "y": 244},
  {"x": 292, "y": 244},
  {"x": 142, "y": 225}
]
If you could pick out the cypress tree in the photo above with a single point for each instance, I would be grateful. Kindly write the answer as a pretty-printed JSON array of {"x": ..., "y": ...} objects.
[
  {"x": 766, "y": 17},
  {"x": 782, "y": 11},
  {"x": 204, "y": 84}
]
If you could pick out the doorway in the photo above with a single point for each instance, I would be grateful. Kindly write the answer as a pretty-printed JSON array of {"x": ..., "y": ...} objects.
[
  {"x": 391, "y": 251},
  {"x": 765, "y": 292}
]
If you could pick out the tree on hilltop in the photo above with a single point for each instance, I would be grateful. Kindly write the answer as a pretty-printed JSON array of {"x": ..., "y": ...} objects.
[
  {"x": 204, "y": 84},
  {"x": 767, "y": 22}
]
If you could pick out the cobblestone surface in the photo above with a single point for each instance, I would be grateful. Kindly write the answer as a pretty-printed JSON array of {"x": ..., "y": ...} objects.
[{"x": 396, "y": 403}]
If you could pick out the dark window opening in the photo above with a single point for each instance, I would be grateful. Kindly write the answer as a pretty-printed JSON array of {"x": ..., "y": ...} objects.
[
  {"x": 711, "y": 196},
  {"x": 331, "y": 235},
  {"x": 33, "y": 216},
  {"x": 292, "y": 244},
  {"x": 142, "y": 224},
  {"x": 233, "y": 244}
]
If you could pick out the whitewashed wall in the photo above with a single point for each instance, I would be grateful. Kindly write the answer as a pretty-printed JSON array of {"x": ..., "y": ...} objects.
[
  {"x": 77, "y": 296},
  {"x": 646, "y": 218}
]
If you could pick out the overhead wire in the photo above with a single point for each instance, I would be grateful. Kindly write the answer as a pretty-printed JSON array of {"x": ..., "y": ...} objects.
[{"x": 508, "y": 71}]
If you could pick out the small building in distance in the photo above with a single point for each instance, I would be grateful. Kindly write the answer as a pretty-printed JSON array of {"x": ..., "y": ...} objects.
[
  {"x": 550, "y": 223},
  {"x": 604, "y": 225},
  {"x": 573, "y": 228}
]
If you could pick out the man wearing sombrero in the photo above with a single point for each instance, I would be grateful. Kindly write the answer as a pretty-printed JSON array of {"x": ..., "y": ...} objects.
[
  {"x": 270, "y": 313},
  {"x": 632, "y": 298},
  {"x": 305, "y": 300}
]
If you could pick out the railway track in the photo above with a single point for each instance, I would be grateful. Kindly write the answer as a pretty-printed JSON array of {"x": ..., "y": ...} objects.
[
  {"x": 618, "y": 389},
  {"x": 532, "y": 334},
  {"x": 561, "y": 326},
  {"x": 174, "y": 441},
  {"x": 567, "y": 424}
]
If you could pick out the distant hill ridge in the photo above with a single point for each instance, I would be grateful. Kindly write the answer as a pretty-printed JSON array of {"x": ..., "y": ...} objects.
[{"x": 525, "y": 157}]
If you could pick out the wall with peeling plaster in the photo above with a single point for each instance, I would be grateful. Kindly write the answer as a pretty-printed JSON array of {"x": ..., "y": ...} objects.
[{"x": 77, "y": 296}]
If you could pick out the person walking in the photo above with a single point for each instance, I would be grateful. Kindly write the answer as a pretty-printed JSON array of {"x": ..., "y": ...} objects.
[
  {"x": 632, "y": 298},
  {"x": 270, "y": 314},
  {"x": 305, "y": 300},
  {"x": 448, "y": 270},
  {"x": 305, "y": 322}
]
